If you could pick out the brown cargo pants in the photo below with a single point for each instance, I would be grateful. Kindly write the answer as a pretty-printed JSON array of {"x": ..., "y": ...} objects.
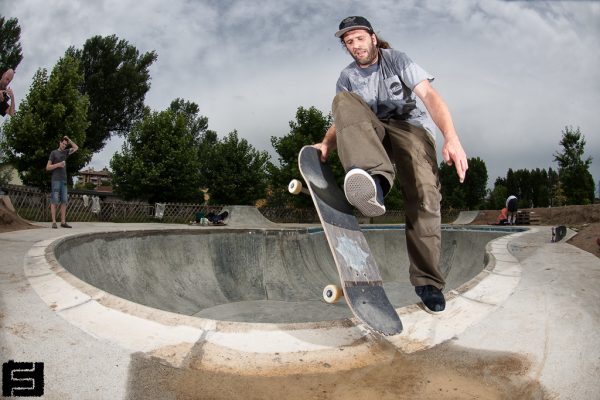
[{"x": 364, "y": 141}]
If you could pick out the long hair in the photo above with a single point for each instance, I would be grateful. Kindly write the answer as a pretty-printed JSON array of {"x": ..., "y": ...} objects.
[{"x": 382, "y": 44}]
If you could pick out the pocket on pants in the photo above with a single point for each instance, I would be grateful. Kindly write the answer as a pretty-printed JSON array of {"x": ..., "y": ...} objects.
[
  {"x": 55, "y": 192},
  {"x": 427, "y": 221}
]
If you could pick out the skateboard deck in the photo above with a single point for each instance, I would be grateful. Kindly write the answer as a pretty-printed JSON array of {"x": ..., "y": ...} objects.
[
  {"x": 357, "y": 268},
  {"x": 559, "y": 233}
]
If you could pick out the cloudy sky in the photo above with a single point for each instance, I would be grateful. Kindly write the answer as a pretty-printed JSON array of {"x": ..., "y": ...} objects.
[{"x": 514, "y": 73}]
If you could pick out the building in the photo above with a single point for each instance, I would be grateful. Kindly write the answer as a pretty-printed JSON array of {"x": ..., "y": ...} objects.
[{"x": 101, "y": 179}]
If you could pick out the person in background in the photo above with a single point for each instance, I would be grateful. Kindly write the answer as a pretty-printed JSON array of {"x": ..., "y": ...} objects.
[
  {"x": 511, "y": 208},
  {"x": 7, "y": 97},
  {"x": 502, "y": 220},
  {"x": 57, "y": 164}
]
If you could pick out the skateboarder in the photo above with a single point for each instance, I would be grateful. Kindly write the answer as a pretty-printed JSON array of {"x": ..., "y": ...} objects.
[{"x": 377, "y": 123}]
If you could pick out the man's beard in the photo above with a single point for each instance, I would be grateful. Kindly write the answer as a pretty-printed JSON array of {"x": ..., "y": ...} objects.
[{"x": 370, "y": 58}]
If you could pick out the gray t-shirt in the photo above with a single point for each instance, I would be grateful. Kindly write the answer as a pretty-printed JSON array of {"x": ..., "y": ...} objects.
[
  {"x": 56, "y": 156},
  {"x": 387, "y": 87}
]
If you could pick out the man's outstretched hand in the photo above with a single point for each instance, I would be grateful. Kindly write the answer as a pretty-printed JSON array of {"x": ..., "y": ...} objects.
[{"x": 453, "y": 153}]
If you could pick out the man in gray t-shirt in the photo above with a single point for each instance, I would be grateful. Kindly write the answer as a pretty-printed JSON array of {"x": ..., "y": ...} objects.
[
  {"x": 57, "y": 164},
  {"x": 379, "y": 129},
  {"x": 387, "y": 87}
]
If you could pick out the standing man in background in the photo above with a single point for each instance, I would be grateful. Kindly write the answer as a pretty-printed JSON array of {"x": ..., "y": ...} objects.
[{"x": 58, "y": 165}]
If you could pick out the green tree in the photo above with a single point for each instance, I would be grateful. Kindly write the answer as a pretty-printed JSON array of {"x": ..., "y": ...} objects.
[
  {"x": 497, "y": 197},
  {"x": 575, "y": 178},
  {"x": 524, "y": 190},
  {"x": 540, "y": 188},
  {"x": 54, "y": 107},
  {"x": 233, "y": 170},
  {"x": 557, "y": 197},
  {"x": 5, "y": 173},
  {"x": 512, "y": 186},
  {"x": 536, "y": 188},
  {"x": 159, "y": 158},
  {"x": 116, "y": 80},
  {"x": 471, "y": 193},
  {"x": 197, "y": 124},
  {"x": 11, "y": 53},
  {"x": 475, "y": 183},
  {"x": 309, "y": 127},
  {"x": 453, "y": 195}
]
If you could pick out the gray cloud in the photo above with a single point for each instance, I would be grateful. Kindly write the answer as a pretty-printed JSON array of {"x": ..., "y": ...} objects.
[{"x": 513, "y": 73}]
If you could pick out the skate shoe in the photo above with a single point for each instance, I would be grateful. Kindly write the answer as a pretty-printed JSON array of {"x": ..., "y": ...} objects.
[
  {"x": 432, "y": 298},
  {"x": 364, "y": 192}
]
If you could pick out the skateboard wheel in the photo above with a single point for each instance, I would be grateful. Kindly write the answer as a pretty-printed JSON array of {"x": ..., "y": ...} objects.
[
  {"x": 295, "y": 186},
  {"x": 332, "y": 293}
]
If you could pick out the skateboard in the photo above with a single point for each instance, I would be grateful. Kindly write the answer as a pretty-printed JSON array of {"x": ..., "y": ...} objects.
[
  {"x": 558, "y": 233},
  {"x": 361, "y": 283}
]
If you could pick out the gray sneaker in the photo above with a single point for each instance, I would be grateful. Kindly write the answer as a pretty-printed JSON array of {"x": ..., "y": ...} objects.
[{"x": 364, "y": 193}]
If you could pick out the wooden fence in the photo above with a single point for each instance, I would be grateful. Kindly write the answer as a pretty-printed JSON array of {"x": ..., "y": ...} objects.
[{"x": 34, "y": 205}]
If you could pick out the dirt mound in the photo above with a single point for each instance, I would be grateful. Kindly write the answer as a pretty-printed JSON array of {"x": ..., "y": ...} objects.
[
  {"x": 566, "y": 215},
  {"x": 585, "y": 220},
  {"x": 9, "y": 219}
]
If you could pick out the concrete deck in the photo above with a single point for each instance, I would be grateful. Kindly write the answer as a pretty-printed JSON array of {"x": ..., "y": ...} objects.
[{"x": 536, "y": 304}]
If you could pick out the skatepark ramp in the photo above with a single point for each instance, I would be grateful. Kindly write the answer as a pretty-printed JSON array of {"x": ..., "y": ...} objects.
[
  {"x": 247, "y": 216},
  {"x": 255, "y": 275},
  {"x": 465, "y": 217}
]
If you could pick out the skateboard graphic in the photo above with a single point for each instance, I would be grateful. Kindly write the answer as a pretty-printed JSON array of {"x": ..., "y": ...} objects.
[
  {"x": 361, "y": 283},
  {"x": 558, "y": 233}
]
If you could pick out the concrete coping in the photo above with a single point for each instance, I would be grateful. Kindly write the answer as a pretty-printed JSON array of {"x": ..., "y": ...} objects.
[{"x": 264, "y": 348}]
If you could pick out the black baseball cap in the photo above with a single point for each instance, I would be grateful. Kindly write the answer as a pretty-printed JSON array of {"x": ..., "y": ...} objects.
[{"x": 352, "y": 23}]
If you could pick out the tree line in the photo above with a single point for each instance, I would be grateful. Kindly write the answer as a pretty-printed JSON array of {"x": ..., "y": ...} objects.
[{"x": 98, "y": 91}]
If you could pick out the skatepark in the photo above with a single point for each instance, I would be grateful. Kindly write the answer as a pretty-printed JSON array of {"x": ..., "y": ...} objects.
[{"x": 139, "y": 311}]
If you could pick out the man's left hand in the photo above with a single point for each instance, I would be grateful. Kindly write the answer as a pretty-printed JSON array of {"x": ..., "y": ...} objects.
[{"x": 454, "y": 153}]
